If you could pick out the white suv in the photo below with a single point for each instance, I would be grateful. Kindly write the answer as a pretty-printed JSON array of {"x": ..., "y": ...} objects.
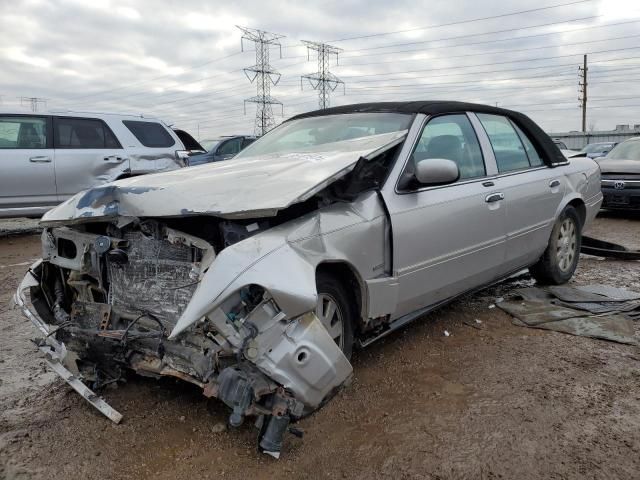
[{"x": 47, "y": 158}]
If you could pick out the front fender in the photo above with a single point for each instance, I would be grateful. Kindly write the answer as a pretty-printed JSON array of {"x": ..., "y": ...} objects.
[{"x": 267, "y": 261}]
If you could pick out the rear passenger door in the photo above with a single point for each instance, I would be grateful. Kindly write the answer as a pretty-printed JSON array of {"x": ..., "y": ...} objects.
[
  {"x": 532, "y": 191},
  {"x": 27, "y": 177},
  {"x": 87, "y": 154}
]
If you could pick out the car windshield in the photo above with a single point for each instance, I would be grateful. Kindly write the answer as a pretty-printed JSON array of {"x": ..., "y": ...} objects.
[
  {"x": 596, "y": 148},
  {"x": 321, "y": 133},
  {"x": 209, "y": 144},
  {"x": 629, "y": 150}
]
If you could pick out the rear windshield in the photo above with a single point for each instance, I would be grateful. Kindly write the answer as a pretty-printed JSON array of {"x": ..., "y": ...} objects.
[{"x": 150, "y": 134}]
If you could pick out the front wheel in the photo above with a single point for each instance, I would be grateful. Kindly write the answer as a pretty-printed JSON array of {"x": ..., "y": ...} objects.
[
  {"x": 335, "y": 312},
  {"x": 560, "y": 259}
]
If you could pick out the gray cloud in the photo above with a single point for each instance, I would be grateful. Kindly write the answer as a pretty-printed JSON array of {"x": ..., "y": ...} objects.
[{"x": 160, "y": 58}]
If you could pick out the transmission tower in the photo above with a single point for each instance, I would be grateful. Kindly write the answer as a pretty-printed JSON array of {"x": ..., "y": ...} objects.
[
  {"x": 323, "y": 80},
  {"x": 264, "y": 75},
  {"x": 33, "y": 102}
]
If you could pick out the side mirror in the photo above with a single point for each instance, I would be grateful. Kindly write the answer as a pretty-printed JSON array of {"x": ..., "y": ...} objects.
[{"x": 437, "y": 171}]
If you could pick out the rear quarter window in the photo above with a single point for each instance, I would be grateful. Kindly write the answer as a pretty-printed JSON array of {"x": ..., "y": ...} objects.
[{"x": 150, "y": 134}]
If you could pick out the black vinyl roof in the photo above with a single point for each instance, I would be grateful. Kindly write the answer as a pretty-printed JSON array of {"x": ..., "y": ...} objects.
[
  {"x": 547, "y": 149},
  {"x": 428, "y": 107}
]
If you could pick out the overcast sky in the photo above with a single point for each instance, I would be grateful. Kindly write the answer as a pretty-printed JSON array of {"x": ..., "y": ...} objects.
[{"x": 181, "y": 60}]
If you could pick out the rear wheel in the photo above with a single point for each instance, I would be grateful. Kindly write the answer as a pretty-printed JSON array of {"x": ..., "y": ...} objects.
[
  {"x": 335, "y": 311},
  {"x": 560, "y": 259}
]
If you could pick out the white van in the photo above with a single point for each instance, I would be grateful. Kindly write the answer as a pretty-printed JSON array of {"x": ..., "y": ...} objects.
[{"x": 45, "y": 158}]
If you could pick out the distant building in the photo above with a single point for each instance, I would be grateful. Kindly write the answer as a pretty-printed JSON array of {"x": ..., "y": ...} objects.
[{"x": 577, "y": 140}]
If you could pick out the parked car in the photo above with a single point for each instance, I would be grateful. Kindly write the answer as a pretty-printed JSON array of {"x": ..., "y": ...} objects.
[
  {"x": 597, "y": 150},
  {"x": 621, "y": 176},
  {"x": 254, "y": 278},
  {"x": 222, "y": 148},
  {"x": 47, "y": 158},
  {"x": 560, "y": 144}
]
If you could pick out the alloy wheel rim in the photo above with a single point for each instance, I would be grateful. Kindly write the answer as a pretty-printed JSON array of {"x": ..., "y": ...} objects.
[
  {"x": 566, "y": 249},
  {"x": 331, "y": 317}
]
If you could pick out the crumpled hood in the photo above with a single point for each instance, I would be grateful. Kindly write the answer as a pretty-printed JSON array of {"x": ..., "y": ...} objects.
[
  {"x": 245, "y": 187},
  {"x": 618, "y": 166}
]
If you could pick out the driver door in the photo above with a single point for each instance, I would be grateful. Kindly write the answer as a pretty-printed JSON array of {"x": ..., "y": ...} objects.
[{"x": 449, "y": 238}]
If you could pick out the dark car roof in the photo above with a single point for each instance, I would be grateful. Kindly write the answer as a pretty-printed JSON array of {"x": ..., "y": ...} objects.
[{"x": 549, "y": 150}]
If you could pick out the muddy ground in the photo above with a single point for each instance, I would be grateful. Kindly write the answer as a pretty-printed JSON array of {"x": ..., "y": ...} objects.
[{"x": 496, "y": 402}]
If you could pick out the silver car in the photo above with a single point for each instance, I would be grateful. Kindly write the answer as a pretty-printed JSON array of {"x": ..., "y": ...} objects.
[
  {"x": 597, "y": 150},
  {"x": 621, "y": 176},
  {"x": 48, "y": 157},
  {"x": 254, "y": 278}
]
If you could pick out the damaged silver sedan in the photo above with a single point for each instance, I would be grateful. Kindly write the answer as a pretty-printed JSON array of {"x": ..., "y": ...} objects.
[{"x": 254, "y": 278}]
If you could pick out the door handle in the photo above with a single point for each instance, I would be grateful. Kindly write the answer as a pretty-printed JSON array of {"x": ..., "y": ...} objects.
[
  {"x": 488, "y": 184},
  {"x": 554, "y": 183},
  {"x": 114, "y": 157},
  {"x": 40, "y": 159},
  {"x": 494, "y": 197}
]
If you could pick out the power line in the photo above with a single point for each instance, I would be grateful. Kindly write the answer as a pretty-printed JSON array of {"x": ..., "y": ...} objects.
[
  {"x": 264, "y": 75},
  {"x": 460, "y": 22},
  {"x": 475, "y": 54},
  {"x": 476, "y": 43},
  {"x": 492, "y": 63}
]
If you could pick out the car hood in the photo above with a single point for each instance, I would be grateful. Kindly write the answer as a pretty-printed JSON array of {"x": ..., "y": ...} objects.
[
  {"x": 618, "y": 166},
  {"x": 247, "y": 187}
]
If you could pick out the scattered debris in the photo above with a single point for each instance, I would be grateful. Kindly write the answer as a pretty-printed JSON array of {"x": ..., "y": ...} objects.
[
  {"x": 595, "y": 311},
  {"x": 477, "y": 324},
  {"x": 218, "y": 428},
  {"x": 600, "y": 248},
  {"x": 492, "y": 305},
  {"x": 446, "y": 333}
]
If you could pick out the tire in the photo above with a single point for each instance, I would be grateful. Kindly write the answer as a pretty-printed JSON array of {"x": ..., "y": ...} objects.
[
  {"x": 560, "y": 259},
  {"x": 332, "y": 293}
]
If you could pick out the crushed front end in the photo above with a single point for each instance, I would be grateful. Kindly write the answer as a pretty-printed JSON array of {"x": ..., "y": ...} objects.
[{"x": 107, "y": 297}]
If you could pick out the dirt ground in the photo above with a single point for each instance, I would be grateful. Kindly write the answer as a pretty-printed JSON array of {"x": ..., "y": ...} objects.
[{"x": 498, "y": 401}]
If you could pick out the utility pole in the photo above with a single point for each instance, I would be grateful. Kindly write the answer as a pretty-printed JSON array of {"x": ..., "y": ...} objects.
[
  {"x": 323, "y": 80},
  {"x": 582, "y": 84},
  {"x": 264, "y": 75},
  {"x": 33, "y": 102}
]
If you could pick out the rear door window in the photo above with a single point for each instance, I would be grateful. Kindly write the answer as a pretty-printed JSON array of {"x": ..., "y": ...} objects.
[
  {"x": 83, "y": 133},
  {"x": 507, "y": 147},
  {"x": 534, "y": 159},
  {"x": 23, "y": 132},
  {"x": 150, "y": 134}
]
